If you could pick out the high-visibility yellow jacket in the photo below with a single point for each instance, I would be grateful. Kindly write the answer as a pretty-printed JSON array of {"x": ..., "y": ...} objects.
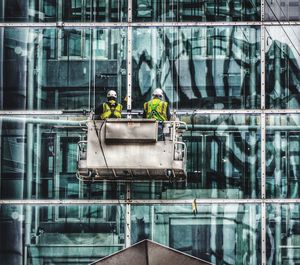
[
  {"x": 156, "y": 109},
  {"x": 111, "y": 109}
]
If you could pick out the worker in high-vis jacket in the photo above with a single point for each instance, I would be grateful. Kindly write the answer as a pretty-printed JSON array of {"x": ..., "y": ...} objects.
[
  {"x": 111, "y": 108},
  {"x": 157, "y": 109}
]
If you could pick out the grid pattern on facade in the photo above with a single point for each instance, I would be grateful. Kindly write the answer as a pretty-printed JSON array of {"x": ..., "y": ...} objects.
[{"x": 229, "y": 69}]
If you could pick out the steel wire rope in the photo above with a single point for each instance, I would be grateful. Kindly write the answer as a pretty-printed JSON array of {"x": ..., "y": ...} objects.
[
  {"x": 99, "y": 140},
  {"x": 106, "y": 164}
]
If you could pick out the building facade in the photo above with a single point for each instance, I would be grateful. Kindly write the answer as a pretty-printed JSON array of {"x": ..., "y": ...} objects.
[{"x": 230, "y": 69}]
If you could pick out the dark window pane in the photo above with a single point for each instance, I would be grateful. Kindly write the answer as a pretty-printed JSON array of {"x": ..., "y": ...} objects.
[
  {"x": 39, "y": 160},
  {"x": 205, "y": 235},
  {"x": 60, "y": 234},
  {"x": 57, "y": 68},
  {"x": 223, "y": 160},
  {"x": 63, "y": 10},
  {"x": 195, "y": 10}
]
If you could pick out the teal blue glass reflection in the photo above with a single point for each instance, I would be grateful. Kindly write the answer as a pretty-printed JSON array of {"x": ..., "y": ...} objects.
[
  {"x": 191, "y": 10},
  {"x": 198, "y": 67},
  {"x": 283, "y": 156},
  {"x": 282, "y": 67},
  {"x": 60, "y": 234},
  {"x": 67, "y": 10},
  {"x": 56, "y": 68},
  {"x": 283, "y": 234},
  {"x": 221, "y": 234},
  {"x": 223, "y": 160},
  {"x": 39, "y": 160}
]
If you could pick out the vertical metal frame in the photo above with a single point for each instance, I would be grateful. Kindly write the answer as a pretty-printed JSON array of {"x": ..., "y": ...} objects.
[
  {"x": 129, "y": 60},
  {"x": 263, "y": 137},
  {"x": 129, "y": 107},
  {"x": 129, "y": 8},
  {"x": 262, "y": 10},
  {"x": 129, "y": 71},
  {"x": 263, "y": 156},
  {"x": 263, "y": 189},
  {"x": 263, "y": 234},
  {"x": 128, "y": 217},
  {"x": 263, "y": 68}
]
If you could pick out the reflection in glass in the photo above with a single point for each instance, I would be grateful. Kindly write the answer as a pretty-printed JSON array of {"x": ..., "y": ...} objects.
[
  {"x": 60, "y": 234},
  {"x": 221, "y": 234},
  {"x": 283, "y": 156},
  {"x": 191, "y": 10},
  {"x": 223, "y": 160},
  {"x": 57, "y": 68},
  {"x": 207, "y": 67},
  {"x": 63, "y": 10},
  {"x": 282, "y": 10},
  {"x": 283, "y": 67},
  {"x": 39, "y": 160},
  {"x": 283, "y": 234}
]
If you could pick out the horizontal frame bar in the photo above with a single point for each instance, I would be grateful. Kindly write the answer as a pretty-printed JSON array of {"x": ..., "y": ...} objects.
[
  {"x": 148, "y": 202},
  {"x": 239, "y": 111},
  {"x": 31, "y": 112},
  {"x": 145, "y": 24},
  {"x": 73, "y": 245},
  {"x": 139, "y": 112}
]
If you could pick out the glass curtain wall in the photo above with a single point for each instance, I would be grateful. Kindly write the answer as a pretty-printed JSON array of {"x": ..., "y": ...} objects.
[
  {"x": 198, "y": 67},
  {"x": 61, "y": 68},
  {"x": 63, "y": 10},
  {"x": 229, "y": 69}
]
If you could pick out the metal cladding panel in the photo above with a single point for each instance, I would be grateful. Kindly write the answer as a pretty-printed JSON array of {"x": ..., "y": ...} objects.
[
  {"x": 126, "y": 131},
  {"x": 158, "y": 155},
  {"x": 150, "y": 253}
]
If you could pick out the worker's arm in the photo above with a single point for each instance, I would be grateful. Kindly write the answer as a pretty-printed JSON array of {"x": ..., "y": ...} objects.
[
  {"x": 168, "y": 113},
  {"x": 144, "y": 114},
  {"x": 144, "y": 111}
]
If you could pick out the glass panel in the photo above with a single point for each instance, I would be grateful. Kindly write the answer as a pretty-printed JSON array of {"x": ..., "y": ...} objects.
[
  {"x": 60, "y": 234},
  {"x": 283, "y": 234},
  {"x": 198, "y": 67},
  {"x": 94, "y": 10},
  {"x": 194, "y": 10},
  {"x": 221, "y": 234},
  {"x": 282, "y": 10},
  {"x": 283, "y": 67},
  {"x": 39, "y": 160},
  {"x": 283, "y": 156},
  {"x": 61, "y": 68},
  {"x": 63, "y": 10},
  {"x": 223, "y": 160}
]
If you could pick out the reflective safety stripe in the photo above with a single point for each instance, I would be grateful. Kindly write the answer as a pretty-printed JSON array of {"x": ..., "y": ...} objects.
[
  {"x": 111, "y": 111},
  {"x": 156, "y": 109}
]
